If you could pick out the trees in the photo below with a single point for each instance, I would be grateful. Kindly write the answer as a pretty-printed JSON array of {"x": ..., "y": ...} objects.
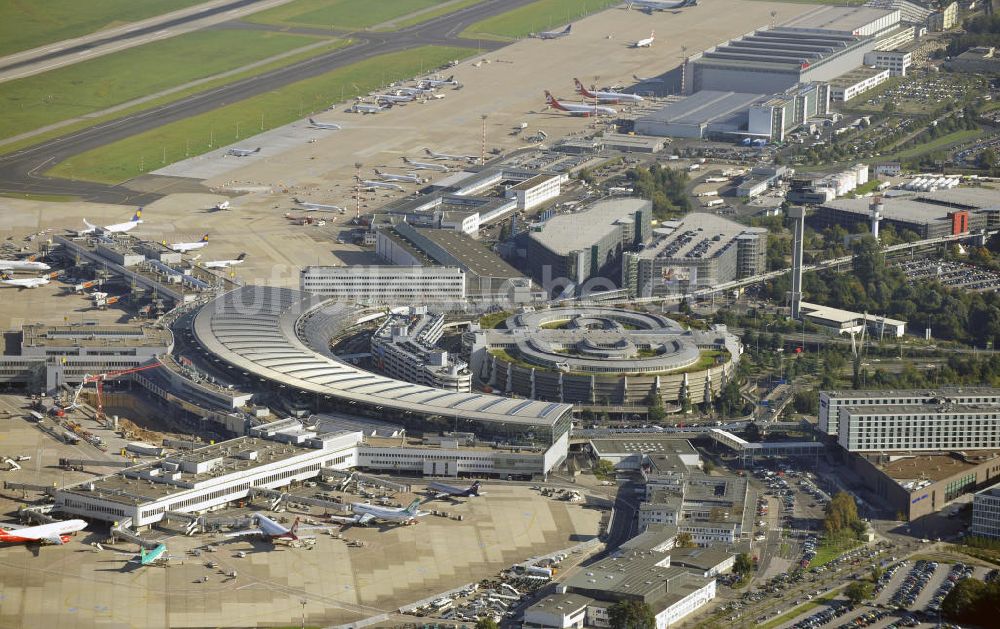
[
  {"x": 631, "y": 614},
  {"x": 858, "y": 591},
  {"x": 604, "y": 469},
  {"x": 973, "y": 602},
  {"x": 841, "y": 513},
  {"x": 743, "y": 565},
  {"x": 684, "y": 540},
  {"x": 486, "y": 623}
]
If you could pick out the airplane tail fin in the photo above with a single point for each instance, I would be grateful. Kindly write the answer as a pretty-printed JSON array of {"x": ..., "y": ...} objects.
[
  {"x": 256, "y": 150},
  {"x": 241, "y": 257},
  {"x": 413, "y": 506},
  {"x": 311, "y": 121},
  {"x": 143, "y": 552},
  {"x": 204, "y": 238},
  {"x": 88, "y": 225},
  {"x": 569, "y": 28},
  {"x": 295, "y": 527},
  {"x": 474, "y": 489}
]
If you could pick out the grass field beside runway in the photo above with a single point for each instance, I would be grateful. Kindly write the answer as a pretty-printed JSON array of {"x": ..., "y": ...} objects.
[
  {"x": 109, "y": 80},
  {"x": 342, "y": 14},
  {"x": 534, "y": 18},
  {"x": 170, "y": 143},
  {"x": 26, "y": 24}
]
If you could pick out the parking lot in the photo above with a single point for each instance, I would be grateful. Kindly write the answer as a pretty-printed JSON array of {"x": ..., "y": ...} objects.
[{"x": 953, "y": 274}]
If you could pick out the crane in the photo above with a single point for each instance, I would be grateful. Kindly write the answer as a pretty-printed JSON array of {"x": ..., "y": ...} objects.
[{"x": 99, "y": 380}]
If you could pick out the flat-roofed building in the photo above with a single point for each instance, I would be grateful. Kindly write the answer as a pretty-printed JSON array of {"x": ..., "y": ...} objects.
[
  {"x": 832, "y": 402},
  {"x": 533, "y": 192},
  {"x": 852, "y": 84},
  {"x": 847, "y": 322},
  {"x": 919, "y": 427},
  {"x": 404, "y": 347},
  {"x": 986, "y": 513},
  {"x": 897, "y": 62},
  {"x": 394, "y": 285}
]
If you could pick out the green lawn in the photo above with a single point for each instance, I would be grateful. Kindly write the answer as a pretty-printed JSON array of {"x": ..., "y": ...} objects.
[
  {"x": 102, "y": 82},
  {"x": 329, "y": 46},
  {"x": 27, "y": 24},
  {"x": 535, "y": 17},
  {"x": 450, "y": 7},
  {"x": 831, "y": 548},
  {"x": 173, "y": 142},
  {"x": 344, "y": 14},
  {"x": 937, "y": 143}
]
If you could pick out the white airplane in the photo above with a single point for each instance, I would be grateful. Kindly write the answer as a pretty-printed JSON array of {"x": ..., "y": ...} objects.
[
  {"x": 23, "y": 265},
  {"x": 647, "y": 80},
  {"x": 367, "y": 108},
  {"x": 237, "y": 152},
  {"x": 647, "y": 42},
  {"x": 396, "y": 98},
  {"x": 607, "y": 97},
  {"x": 365, "y": 513},
  {"x": 425, "y": 165},
  {"x": 660, "y": 5},
  {"x": 271, "y": 530},
  {"x": 555, "y": 34},
  {"x": 28, "y": 282},
  {"x": 117, "y": 228},
  {"x": 224, "y": 264},
  {"x": 370, "y": 185},
  {"x": 308, "y": 206},
  {"x": 222, "y": 205},
  {"x": 438, "y": 82},
  {"x": 52, "y": 533},
  {"x": 415, "y": 91},
  {"x": 333, "y": 126},
  {"x": 454, "y": 158},
  {"x": 410, "y": 178},
  {"x": 577, "y": 109},
  {"x": 184, "y": 247},
  {"x": 441, "y": 490}
]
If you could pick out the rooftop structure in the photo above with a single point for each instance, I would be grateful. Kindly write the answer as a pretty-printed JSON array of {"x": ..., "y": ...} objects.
[
  {"x": 55, "y": 339},
  {"x": 831, "y": 402},
  {"x": 846, "y": 20},
  {"x": 707, "y": 113},
  {"x": 847, "y": 322},
  {"x": 404, "y": 347},
  {"x": 388, "y": 285}
]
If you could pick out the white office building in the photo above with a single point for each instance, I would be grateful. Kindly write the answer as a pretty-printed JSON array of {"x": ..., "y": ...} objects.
[
  {"x": 919, "y": 427},
  {"x": 986, "y": 513},
  {"x": 895, "y": 61},
  {"x": 830, "y": 402},
  {"x": 533, "y": 192},
  {"x": 385, "y": 284},
  {"x": 403, "y": 347}
]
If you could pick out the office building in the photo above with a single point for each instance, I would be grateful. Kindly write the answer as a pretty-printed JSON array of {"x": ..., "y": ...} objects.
[
  {"x": 533, "y": 192},
  {"x": 566, "y": 251},
  {"x": 929, "y": 427},
  {"x": 391, "y": 285},
  {"x": 986, "y": 513},
  {"x": 897, "y": 62},
  {"x": 696, "y": 251},
  {"x": 832, "y": 402},
  {"x": 403, "y": 347},
  {"x": 943, "y": 19},
  {"x": 856, "y": 82}
]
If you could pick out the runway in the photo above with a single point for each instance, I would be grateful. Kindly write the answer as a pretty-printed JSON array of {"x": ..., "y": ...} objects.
[{"x": 21, "y": 171}]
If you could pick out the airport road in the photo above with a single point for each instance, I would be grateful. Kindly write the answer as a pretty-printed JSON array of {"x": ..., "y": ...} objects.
[{"x": 22, "y": 171}]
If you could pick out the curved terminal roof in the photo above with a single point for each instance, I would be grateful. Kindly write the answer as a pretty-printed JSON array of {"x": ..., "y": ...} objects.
[{"x": 258, "y": 330}]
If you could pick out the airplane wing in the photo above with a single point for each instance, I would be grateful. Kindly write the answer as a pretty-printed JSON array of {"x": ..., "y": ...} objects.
[
  {"x": 245, "y": 533},
  {"x": 51, "y": 539},
  {"x": 314, "y": 528},
  {"x": 365, "y": 519}
]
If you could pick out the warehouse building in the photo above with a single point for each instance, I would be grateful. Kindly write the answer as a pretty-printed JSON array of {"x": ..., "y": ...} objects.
[
  {"x": 832, "y": 402},
  {"x": 582, "y": 251},
  {"x": 817, "y": 46},
  {"x": 487, "y": 276},
  {"x": 978, "y": 60},
  {"x": 394, "y": 285},
  {"x": 697, "y": 251},
  {"x": 404, "y": 347},
  {"x": 928, "y": 214}
]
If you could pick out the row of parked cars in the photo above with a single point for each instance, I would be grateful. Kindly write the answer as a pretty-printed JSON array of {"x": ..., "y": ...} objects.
[
  {"x": 958, "y": 572},
  {"x": 865, "y": 619},
  {"x": 821, "y": 618},
  {"x": 914, "y": 583}
]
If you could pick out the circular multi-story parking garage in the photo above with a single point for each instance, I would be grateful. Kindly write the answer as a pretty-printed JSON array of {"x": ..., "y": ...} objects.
[
  {"x": 592, "y": 355},
  {"x": 278, "y": 339}
]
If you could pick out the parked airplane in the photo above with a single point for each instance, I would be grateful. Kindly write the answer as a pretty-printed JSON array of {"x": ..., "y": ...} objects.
[
  {"x": 647, "y": 42},
  {"x": 236, "y": 152},
  {"x": 455, "y": 158},
  {"x": 308, "y": 206},
  {"x": 647, "y": 80},
  {"x": 222, "y": 205},
  {"x": 184, "y": 247},
  {"x": 441, "y": 490},
  {"x": 396, "y": 98},
  {"x": 157, "y": 556},
  {"x": 438, "y": 82},
  {"x": 224, "y": 264},
  {"x": 24, "y": 265},
  {"x": 555, "y": 34},
  {"x": 365, "y": 513},
  {"x": 117, "y": 228},
  {"x": 410, "y": 178},
  {"x": 607, "y": 97},
  {"x": 52, "y": 533},
  {"x": 660, "y": 5},
  {"x": 271, "y": 530},
  {"x": 415, "y": 91},
  {"x": 426, "y": 166},
  {"x": 324, "y": 125},
  {"x": 577, "y": 109},
  {"x": 368, "y": 108},
  {"x": 27, "y": 282},
  {"x": 370, "y": 185}
]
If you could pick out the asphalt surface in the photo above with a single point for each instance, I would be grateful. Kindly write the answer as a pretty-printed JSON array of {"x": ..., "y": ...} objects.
[
  {"x": 21, "y": 171},
  {"x": 139, "y": 32}
]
